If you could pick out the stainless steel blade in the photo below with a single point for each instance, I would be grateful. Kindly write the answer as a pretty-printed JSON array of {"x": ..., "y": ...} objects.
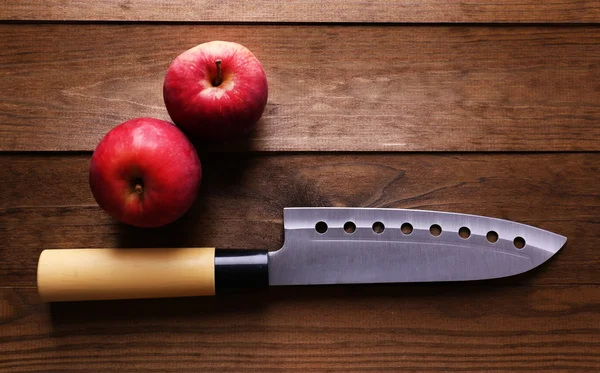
[{"x": 364, "y": 256}]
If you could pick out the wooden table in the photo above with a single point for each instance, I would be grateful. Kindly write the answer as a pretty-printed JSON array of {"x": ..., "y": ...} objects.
[{"x": 482, "y": 107}]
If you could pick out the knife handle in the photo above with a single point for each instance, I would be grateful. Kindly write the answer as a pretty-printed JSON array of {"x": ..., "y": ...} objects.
[{"x": 105, "y": 274}]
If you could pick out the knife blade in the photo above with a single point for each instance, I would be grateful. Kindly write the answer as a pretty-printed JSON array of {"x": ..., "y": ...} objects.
[
  {"x": 429, "y": 249},
  {"x": 323, "y": 245}
]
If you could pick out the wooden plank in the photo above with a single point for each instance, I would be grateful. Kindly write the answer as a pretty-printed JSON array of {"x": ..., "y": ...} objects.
[
  {"x": 348, "y": 88},
  {"x": 335, "y": 329},
  {"x": 377, "y": 11},
  {"x": 45, "y": 202}
]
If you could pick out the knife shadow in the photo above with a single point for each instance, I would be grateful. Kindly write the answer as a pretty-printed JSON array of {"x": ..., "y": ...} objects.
[
  {"x": 68, "y": 313},
  {"x": 69, "y": 317},
  {"x": 232, "y": 312}
]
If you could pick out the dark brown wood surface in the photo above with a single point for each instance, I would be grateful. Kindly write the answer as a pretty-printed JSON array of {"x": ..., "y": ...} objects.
[
  {"x": 411, "y": 328},
  {"x": 392, "y": 88},
  {"x": 372, "y": 11},
  {"x": 462, "y": 106}
]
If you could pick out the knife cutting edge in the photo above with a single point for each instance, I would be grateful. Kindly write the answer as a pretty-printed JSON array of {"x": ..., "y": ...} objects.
[{"x": 323, "y": 245}]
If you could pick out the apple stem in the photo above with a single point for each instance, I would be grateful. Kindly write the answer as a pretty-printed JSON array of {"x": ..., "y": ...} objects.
[
  {"x": 219, "y": 78},
  {"x": 139, "y": 189}
]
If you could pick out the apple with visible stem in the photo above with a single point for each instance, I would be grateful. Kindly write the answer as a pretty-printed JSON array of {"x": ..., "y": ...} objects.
[
  {"x": 145, "y": 172},
  {"x": 216, "y": 91}
]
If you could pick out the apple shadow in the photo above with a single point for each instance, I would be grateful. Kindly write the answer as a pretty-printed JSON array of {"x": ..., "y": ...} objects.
[
  {"x": 222, "y": 174},
  {"x": 238, "y": 144}
]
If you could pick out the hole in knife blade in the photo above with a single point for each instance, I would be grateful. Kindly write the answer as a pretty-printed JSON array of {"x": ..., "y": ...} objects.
[
  {"x": 321, "y": 227},
  {"x": 435, "y": 230},
  {"x": 492, "y": 236},
  {"x": 349, "y": 227},
  {"x": 464, "y": 232},
  {"x": 378, "y": 227},
  {"x": 519, "y": 242},
  {"x": 406, "y": 228}
]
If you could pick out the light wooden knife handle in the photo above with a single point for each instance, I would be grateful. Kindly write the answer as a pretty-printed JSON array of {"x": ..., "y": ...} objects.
[
  {"x": 96, "y": 274},
  {"x": 103, "y": 274}
]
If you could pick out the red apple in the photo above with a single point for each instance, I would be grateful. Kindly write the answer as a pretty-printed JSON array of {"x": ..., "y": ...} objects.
[
  {"x": 216, "y": 91},
  {"x": 145, "y": 172}
]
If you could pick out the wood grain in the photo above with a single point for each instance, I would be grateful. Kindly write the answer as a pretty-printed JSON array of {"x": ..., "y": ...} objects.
[
  {"x": 332, "y": 88},
  {"x": 46, "y": 202},
  {"x": 376, "y": 11},
  {"x": 410, "y": 328},
  {"x": 362, "y": 96}
]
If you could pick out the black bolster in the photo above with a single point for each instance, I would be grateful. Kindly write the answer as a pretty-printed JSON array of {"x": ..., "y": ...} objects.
[{"x": 240, "y": 271}]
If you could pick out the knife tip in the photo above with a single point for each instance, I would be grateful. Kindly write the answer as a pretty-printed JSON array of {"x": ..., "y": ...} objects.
[{"x": 560, "y": 243}]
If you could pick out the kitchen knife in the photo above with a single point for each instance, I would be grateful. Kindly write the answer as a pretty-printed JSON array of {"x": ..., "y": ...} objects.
[{"x": 322, "y": 245}]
